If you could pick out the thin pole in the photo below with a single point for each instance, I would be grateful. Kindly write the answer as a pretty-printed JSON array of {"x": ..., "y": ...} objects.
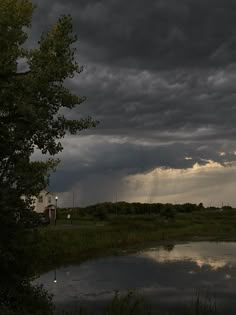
[
  {"x": 56, "y": 213},
  {"x": 116, "y": 205}
]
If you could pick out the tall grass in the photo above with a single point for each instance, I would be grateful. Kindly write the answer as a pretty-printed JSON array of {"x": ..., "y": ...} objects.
[
  {"x": 131, "y": 304},
  {"x": 203, "y": 304},
  {"x": 127, "y": 305}
]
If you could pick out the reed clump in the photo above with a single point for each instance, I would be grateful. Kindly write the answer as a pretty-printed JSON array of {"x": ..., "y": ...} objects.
[{"x": 132, "y": 304}]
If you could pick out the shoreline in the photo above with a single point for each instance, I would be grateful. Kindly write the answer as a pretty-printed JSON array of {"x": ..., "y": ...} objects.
[{"x": 62, "y": 245}]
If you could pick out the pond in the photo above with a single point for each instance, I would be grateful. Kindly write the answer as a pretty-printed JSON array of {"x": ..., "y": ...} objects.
[{"x": 166, "y": 277}]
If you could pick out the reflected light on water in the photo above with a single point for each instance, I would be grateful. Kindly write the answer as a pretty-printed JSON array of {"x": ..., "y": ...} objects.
[
  {"x": 204, "y": 254},
  {"x": 166, "y": 276},
  {"x": 55, "y": 276}
]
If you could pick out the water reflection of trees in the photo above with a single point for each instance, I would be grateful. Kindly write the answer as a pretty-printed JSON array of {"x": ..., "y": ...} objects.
[{"x": 168, "y": 247}]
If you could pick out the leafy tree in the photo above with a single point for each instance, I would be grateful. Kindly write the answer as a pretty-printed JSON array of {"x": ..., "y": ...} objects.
[{"x": 30, "y": 118}]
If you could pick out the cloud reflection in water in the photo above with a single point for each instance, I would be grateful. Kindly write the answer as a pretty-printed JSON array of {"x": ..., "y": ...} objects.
[{"x": 164, "y": 277}]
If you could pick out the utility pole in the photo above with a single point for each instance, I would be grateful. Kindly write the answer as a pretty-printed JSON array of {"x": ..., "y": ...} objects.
[
  {"x": 150, "y": 201},
  {"x": 73, "y": 199},
  {"x": 55, "y": 215},
  {"x": 116, "y": 205}
]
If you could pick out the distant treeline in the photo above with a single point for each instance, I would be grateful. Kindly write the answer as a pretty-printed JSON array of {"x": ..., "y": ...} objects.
[{"x": 102, "y": 210}]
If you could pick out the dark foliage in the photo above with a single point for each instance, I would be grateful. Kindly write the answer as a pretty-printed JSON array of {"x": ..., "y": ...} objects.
[{"x": 30, "y": 102}]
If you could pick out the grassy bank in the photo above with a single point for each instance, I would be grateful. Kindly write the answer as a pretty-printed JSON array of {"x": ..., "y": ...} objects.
[
  {"x": 132, "y": 304},
  {"x": 72, "y": 243}
]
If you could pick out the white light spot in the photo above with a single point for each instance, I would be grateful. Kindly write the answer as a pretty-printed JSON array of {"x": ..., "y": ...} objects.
[{"x": 222, "y": 153}]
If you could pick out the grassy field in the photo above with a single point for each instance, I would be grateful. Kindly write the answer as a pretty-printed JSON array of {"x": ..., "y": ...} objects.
[{"x": 68, "y": 243}]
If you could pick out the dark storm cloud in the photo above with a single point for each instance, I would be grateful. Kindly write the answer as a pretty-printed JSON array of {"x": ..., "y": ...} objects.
[
  {"x": 173, "y": 103},
  {"x": 159, "y": 76},
  {"x": 102, "y": 159},
  {"x": 155, "y": 34},
  {"x": 177, "y": 105},
  {"x": 151, "y": 120}
]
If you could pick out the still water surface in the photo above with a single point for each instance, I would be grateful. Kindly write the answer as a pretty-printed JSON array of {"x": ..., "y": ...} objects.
[{"x": 167, "y": 277}]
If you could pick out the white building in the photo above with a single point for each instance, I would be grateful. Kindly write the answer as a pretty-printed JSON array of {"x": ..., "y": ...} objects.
[{"x": 45, "y": 202}]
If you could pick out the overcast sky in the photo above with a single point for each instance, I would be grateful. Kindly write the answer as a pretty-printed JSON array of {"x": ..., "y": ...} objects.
[{"x": 160, "y": 76}]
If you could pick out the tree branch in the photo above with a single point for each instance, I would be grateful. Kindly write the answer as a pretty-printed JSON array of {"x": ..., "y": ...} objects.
[{"x": 16, "y": 74}]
